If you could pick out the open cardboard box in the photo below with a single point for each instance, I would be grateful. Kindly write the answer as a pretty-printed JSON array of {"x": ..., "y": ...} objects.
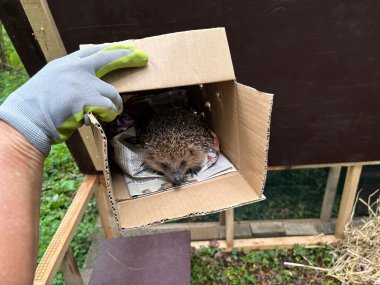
[{"x": 238, "y": 114}]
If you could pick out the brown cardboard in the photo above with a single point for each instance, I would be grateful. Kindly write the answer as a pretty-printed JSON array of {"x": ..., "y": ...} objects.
[
  {"x": 178, "y": 59},
  {"x": 240, "y": 116}
]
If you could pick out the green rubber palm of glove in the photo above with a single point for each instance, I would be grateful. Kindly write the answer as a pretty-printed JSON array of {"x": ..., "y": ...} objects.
[
  {"x": 50, "y": 106},
  {"x": 137, "y": 58}
]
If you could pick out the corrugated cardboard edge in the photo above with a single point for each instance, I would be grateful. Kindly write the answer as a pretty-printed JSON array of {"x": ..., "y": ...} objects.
[
  {"x": 248, "y": 170},
  {"x": 267, "y": 147},
  {"x": 124, "y": 231},
  {"x": 106, "y": 169}
]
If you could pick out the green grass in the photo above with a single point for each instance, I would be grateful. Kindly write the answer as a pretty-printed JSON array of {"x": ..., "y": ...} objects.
[
  {"x": 13, "y": 74},
  {"x": 10, "y": 80},
  {"x": 210, "y": 266}
]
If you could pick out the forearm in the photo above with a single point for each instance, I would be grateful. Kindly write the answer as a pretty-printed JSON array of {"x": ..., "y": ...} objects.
[{"x": 21, "y": 172}]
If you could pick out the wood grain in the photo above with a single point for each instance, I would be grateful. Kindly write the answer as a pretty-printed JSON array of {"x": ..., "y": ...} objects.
[
  {"x": 269, "y": 243},
  {"x": 348, "y": 198}
]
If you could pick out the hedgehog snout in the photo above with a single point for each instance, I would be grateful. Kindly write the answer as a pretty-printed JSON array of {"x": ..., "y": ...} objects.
[{"x": 176, "y": 177}]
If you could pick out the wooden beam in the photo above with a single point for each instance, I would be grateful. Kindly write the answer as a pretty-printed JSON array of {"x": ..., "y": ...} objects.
[
  {"x": 50, "y": 262},
  {"x": 230, "y": 228},
  {"x": 348, "y": 198},
  {"x": 280, "y": 167},
  {"x": 330, "y": 193},
  {"x": 105, "y": 211},
  {"x": 70, "y": 269},
  {"x": 44, "y": 28},
  {"x": 269, "y": 243},
  {"x": 89, "y": 142}
]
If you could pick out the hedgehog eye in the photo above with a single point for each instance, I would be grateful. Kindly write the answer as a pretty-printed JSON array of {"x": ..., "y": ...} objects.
[
  {"x": 164, "y": 166},
  {"x": 191, "y": 152},
  {"x": 182, "y": 164}
]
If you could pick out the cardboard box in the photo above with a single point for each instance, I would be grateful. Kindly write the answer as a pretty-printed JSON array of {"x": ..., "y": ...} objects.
[{"x": 240, "y": 115}]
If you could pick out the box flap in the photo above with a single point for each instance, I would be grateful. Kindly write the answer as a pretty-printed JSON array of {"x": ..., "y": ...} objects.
[
  {"x": 178, "y": 59},
  {"x": 210, "y": 196},
  {"x": 254, "y": 121}
]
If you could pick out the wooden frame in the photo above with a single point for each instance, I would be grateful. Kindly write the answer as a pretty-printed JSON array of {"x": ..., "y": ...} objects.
[{"x": 59, "y": 252}]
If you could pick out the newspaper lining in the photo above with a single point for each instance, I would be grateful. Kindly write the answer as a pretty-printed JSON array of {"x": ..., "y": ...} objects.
[{"x": 142, "y": 181}]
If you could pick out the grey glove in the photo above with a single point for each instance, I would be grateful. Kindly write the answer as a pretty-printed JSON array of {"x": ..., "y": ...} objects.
[{"x": 51, "y": 105}]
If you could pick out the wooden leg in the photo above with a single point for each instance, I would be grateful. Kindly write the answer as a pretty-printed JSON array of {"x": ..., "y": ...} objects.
[
  {"x": 105, "y": 211},
  {"x": 70, "y": 269},
  {"x": 348, "y": 199},
  {"x": 230, "y": 228},
  {"x": 330, "y": 192},
  {"x": 60, "y": 242}
]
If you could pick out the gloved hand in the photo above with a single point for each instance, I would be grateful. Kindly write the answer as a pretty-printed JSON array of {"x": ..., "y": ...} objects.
[{"x": 51, "y": 105}]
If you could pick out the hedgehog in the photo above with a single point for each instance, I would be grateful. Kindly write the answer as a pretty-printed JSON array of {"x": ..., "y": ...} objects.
[{"x": 175, "y": 142}]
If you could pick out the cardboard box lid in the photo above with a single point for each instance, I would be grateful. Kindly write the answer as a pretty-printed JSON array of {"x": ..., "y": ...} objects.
[{"x": 178, "y": 59}]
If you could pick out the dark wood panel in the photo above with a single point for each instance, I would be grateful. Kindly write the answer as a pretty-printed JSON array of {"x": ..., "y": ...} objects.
[{"x": 320, "y": 59}]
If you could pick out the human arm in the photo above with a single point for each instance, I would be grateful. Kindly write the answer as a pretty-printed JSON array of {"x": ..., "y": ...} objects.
[
  {"x": 45, "y": 110},
  {"x": 21, "y": 171}
]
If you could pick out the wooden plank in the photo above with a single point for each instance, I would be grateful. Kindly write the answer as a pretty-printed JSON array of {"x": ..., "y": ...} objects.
[
  {"x": 330, "y": 192},
  {"x": 105, "y": 211},
  {"x": 89, "y": 142},
  {"x": 44, "y": 28},
  {"x": 269, "y": 243},
  {"x": 70, "y": 269},
  {"x": 323, "y": 165},
  {"x": 81, "y": 154},
  {"x": 230, "y": 228},
  {"x": 60, "y": 242},
  {"x": 348, "y": 198}
]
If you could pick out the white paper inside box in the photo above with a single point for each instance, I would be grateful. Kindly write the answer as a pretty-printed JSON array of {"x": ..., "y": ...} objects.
[{"x": 238, "y": 114}]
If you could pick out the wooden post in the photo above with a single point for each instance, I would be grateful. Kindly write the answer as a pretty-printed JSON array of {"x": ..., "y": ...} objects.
[
  {"x": 44, "y": 28},
  {"x": 230, "y": 228},
  {"x": 348, "y": 199},
  {"x": 70, "y": 269},
  {"x": 105, "y": 211},
  {"x": 330, "y": 192}
]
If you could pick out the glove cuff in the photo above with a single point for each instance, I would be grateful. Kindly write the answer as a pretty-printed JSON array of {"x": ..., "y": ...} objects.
[{"x": 16, "y": 113}]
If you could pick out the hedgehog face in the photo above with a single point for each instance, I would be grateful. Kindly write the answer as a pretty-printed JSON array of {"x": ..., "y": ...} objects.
[{"x": 175, "y": 167}]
